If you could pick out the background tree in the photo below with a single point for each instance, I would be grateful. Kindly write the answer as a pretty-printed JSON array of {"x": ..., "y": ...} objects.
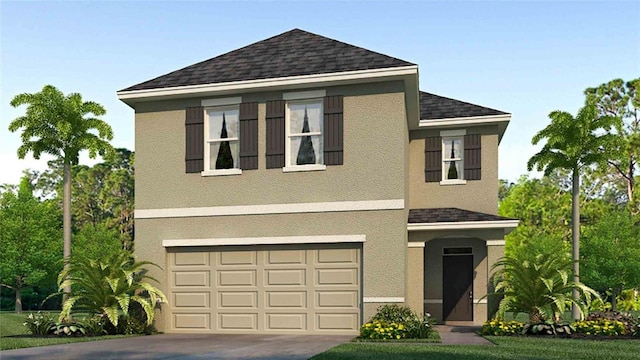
[
  {"x": 572, "y": 144},
  {"x": 622, "y": 100},
  {"x": 29, "y": 241},
  {"x": 611, "y": 255},
  {"x": 61, "y": 126}
]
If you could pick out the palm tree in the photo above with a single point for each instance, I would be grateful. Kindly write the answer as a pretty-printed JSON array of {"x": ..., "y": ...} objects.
[
  {"x": 107, "y": 287},
  {"x": 537, "y": 284},
  {"x": 61, "y": 126},
  {"x": 572, "y": 144}
]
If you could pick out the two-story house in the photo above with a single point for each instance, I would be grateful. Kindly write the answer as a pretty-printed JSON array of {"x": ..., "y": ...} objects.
[{"x": 298, "y": 183}]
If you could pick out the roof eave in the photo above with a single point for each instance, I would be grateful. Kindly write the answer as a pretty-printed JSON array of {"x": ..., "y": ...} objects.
[
  {"x": 407, "y": 73},
  {"x": 501, "y": 120},
  {"x": 506, "y": 225}
]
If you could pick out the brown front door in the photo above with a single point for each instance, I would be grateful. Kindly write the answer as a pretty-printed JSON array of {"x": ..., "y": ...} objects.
[{"x": 457, "y": 289}]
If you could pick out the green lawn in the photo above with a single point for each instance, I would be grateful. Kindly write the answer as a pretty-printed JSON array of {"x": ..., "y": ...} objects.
[
  {"x": 12, "y": 334},
  {"x": 508, "y": 348}
]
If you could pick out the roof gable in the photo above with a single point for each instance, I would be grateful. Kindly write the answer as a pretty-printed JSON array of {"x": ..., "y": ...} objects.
[
  {"x": 293, "y": 53},
  {"x": 434, "y": 107}
]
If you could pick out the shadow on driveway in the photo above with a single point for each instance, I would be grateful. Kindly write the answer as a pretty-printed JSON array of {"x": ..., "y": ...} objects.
[{"x": 183, "y": 346}]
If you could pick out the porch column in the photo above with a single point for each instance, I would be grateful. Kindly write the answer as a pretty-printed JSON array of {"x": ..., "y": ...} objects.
[
  {"x": 495, "y": 251},
  {"x": 415, "y": 277}
]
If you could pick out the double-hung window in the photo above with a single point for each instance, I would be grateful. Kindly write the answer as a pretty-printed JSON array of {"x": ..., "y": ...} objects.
[
  {"x": 304, "y": 137},
  {"x": 453, "y": 156},
  {"x": 222, "y": 142}
]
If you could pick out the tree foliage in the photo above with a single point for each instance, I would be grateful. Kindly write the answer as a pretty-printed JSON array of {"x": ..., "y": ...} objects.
[
  {"x": 30, "y": 240},
  {"x": 611, "y": 254},
  {"x": 621, "y": 100}
]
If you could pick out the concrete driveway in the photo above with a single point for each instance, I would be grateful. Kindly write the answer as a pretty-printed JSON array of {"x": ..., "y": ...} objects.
[{"x": 182, "y": 346}]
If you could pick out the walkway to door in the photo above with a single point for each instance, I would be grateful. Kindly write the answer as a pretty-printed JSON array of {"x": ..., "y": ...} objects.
[{"x": 461, "y": 335}]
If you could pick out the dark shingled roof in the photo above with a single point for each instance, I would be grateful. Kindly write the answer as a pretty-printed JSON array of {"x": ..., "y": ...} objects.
[
  {"x": 438, "y": 107},
  {"x": 438, "y": 215},
  {"x": 295, "y": 52}
]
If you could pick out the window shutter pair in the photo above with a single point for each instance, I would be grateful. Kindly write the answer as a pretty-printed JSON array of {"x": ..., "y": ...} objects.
[
  {"x": 333, "y": 128},
  {"x": 472, "y": 158},
  {"x": 194, "y": 130}
]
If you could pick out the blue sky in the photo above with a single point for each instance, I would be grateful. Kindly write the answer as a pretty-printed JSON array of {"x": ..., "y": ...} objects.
[{"x": 526, "y": 58}]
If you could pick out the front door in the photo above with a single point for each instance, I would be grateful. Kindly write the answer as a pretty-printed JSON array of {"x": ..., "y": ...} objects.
[{"x": 457, "y": 289}]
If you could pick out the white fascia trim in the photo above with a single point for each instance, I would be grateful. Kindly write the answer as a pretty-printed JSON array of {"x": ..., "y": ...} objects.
[
  {"x": 449, "y": 133},
  {"x": 299, "y": 95},
  {"x": 336, "y": 206},
  {"x": 496, "y": 242},
  {"x": 221, "y": 101},
  {"x": 380, "y": 299},
  {"x": 269, "y": 83},
  {"x": 414, "y": 244},
  {"x": 465, "y": 121},
  {"x": 464, "y": 225},
  {"x": 277, "y": 240}
]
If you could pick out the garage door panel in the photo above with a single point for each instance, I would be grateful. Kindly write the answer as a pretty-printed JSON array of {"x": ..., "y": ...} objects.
[
  {"x": 286, "y": 321},
  {"x": 237, "y": 258},
  {"x": 341, "y": 299},
  {"x": 336, "y": 276},
  {"x": 231, "y": 321},
  {"x": 333, "y": 256},
  {"x": 287, "y": 299},
  {"x": 191, "y": 278},
  {"x": 190, "y": 258},
  {"x": 277, "y": 257},
  {"x": 245, "y": 299},
  {"x": 236, "y": 278},
  {"x": 285, "y": 277},
  {"x": 191, "y": 299},
  {"x": 198, "y": 321},
  {"x": 335, "y": 321}
]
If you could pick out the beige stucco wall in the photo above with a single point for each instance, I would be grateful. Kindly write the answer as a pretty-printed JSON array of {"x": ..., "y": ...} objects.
[
  {"x": 375, "y": 139},
  {"x": 383, "y": 250},
  {"x": 415, "y": 279},
  {"x": 476, "y": 195}
]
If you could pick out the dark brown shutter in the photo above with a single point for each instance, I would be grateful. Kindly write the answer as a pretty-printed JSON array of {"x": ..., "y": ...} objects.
[
  {"x": 275, "y": 134},
  {"x": 472, "y": 157},
  {"x": 333, "y": 130},
  {"x": 194, "y": 149},
  {"x": 249, "y": 136},
  {"x": 433, "y": 159}
]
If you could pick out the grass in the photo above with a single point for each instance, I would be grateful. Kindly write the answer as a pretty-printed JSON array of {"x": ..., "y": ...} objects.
[
  {"x": 14, "y": 335},
  {"x": 507, "y": 348}
]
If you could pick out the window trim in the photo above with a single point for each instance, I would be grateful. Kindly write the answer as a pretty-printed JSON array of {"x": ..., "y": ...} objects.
[
  {"x": 449, "y": 136},
  {"x": 288, "y": 165},
  {"x": 229, "y": 104}
]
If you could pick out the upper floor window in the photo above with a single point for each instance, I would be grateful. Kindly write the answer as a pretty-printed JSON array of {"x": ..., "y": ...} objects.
[
  {"x": 453, "y": 158},
  {"x": 452, "y": 161},
  {"x": 304, "y": 138},
  {"x": 222, "y": 142}
]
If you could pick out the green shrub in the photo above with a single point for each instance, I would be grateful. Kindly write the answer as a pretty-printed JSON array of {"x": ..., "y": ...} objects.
[
  {"x": 501, "y": 328},
  {"x": 601, "y": 327},
  {"x": 40, "y": 323},
  {"x": 94, "y": 326},
  {"x": 628, "y": 300},
  {"x": 397, "y": 322},
  {"x": 626, "y": 319},
  {"x": 69, "y": 328},
  {"x": 548, "y": 328},
  {"x": 383, "y": 330},
  {"x": 394, "y": 313}
]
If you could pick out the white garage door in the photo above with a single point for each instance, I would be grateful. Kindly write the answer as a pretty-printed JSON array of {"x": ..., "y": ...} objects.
[{"x": 265, "y": 289}]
